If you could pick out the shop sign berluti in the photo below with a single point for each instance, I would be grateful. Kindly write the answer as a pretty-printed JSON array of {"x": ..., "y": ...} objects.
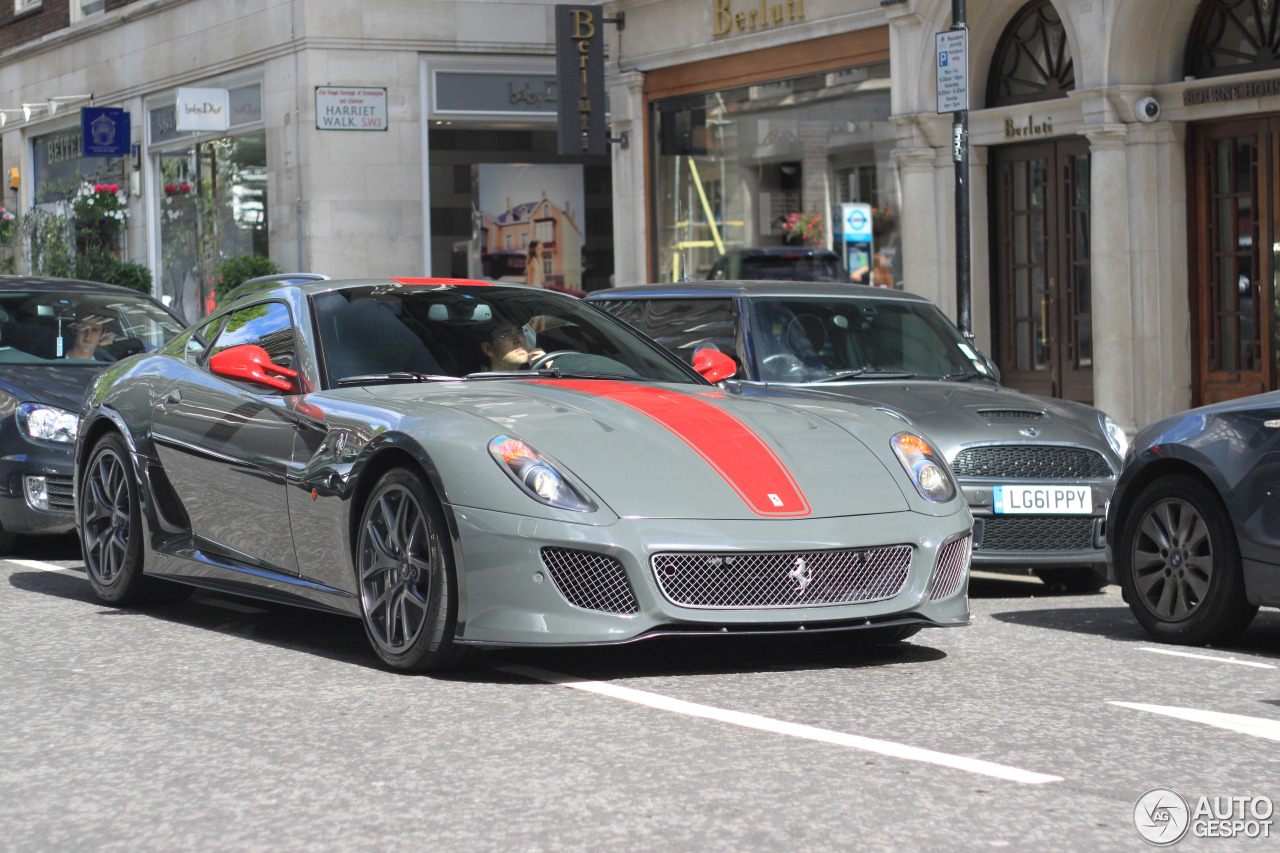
[
  {"x": 750, "y": 15},
  {"x": 1018, "y": 129},
  {"x": 580, "y": 80}
]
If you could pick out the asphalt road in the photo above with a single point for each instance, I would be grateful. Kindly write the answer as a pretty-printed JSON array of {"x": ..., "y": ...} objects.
[{"x": 218, "y": 724}]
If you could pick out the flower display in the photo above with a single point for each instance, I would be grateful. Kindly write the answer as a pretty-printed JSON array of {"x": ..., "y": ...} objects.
[
  {"x": 177, "y": 189},
  {"x": 805, "y": 226},
  {"x": 882, "y": 220}
]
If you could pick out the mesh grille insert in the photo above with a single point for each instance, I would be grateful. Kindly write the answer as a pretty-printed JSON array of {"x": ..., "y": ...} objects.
[
  {"x": 1030, "y": 462},
  {"x": 795, "y": 579},
  {"x": 1037, "y": 533},
  {"x": 953, "y": 560},
  {"x": 60, "y": 497},
  {"x": 590, "y": 581}
]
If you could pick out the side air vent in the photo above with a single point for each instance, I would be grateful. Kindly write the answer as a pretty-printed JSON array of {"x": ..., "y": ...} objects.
[{"x": 591, "y": 581}]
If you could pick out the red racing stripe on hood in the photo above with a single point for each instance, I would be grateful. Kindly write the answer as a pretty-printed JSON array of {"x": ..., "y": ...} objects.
[{"x": 728, "y": 445}]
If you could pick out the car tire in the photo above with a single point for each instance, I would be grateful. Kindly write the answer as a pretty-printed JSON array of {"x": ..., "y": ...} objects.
[
  {"x": 1084, "y": 579},
  {"x": 1178, "y": 563},
  {"x": 111, "y": 531},
  {"x": 405, "y": 577}
]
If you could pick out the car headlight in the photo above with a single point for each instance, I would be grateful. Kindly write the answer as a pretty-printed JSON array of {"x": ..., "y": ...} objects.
[
  {"x": 536, "y": 476},
  {"x": 47, "y": 423},
  {"x": 924, "y": 467},
  {"x": 1115, "y": 436}
]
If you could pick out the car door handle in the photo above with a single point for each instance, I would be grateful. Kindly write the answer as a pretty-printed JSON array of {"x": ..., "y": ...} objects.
[{"x": 174, "y": 397}]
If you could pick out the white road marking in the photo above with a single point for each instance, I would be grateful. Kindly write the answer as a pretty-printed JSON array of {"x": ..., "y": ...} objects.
[
  {"x": 48, "y": 567},
  {"x": 1207, "y": 657},
  {"x": 1256, "y": 726},
  {"x": 754, "y": 721}
]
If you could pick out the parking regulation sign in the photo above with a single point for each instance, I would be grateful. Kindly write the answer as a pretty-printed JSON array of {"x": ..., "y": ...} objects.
[{"x": 953, "y": 70}]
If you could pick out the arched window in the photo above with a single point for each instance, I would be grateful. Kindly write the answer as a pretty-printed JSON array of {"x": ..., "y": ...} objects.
[
  {"x": 1234, "y": 36},
  {"x": 1033, "y": 59}
]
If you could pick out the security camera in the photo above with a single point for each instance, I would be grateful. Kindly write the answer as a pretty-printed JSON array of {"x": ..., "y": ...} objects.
[{"x": 1147, "y": 109}]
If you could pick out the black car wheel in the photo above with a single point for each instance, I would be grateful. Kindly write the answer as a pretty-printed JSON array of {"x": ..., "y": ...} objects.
[
  {"x": 408, "y": 592},
  {"x": 111, "y": 530},
  {"x": 1179, "y": 564}
]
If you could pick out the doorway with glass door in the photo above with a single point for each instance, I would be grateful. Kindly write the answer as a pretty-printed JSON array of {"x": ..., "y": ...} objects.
[
  {"x": 1042, "y": 314},
  {"x": 1234, "y": 185}
]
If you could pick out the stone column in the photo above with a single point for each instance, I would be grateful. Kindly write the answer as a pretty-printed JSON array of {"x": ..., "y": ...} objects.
[
  {"x": 630, "y": 223},
  {"x": 919, "y": 221},
  {"x": 1114, "y": 366}
]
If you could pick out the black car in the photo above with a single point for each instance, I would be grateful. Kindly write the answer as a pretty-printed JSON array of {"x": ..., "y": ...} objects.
[
  {"x": 1194, "y": 526},
  {"x": 55, "y": 336},
  {"x": 779, "y": 263}
]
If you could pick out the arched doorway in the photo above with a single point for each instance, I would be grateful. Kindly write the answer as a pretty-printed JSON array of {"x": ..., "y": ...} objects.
[{"x": 1040, "y": 207}]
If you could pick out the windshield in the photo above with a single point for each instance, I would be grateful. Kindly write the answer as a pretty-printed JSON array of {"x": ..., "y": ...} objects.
[
  {"x": 818, "y": 339},
  {"x": 387, "y": 333},
  {"x": 80, "y": 329}
]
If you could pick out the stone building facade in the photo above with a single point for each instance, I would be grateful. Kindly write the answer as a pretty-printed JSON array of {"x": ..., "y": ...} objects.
[
  {"x": 1123, "y": 170},
  {"x": 462, "y": 84}
]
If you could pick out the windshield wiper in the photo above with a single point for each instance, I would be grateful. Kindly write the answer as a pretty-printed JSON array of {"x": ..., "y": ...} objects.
[
  {"x": 868, "y": 372},
  {"x": 964, "y": 376},
  {"x": 399, "y": 376}
]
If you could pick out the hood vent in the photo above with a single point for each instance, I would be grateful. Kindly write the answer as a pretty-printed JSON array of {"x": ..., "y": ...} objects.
[{"x": 1010, "y": 415}]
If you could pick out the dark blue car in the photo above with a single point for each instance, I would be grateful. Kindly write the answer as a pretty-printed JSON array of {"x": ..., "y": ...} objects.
[
  {"x": 55, "y": 336},
  {"x": 1194, "y": 524}
]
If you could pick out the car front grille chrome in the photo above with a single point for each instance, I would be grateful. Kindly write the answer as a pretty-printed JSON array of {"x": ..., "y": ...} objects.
[
  {"x": 794, "y": 579},
  {"x": 591, "y": 581},
  {"x": 1030, "y": 462},
  {"x": 953, "y": 565}
]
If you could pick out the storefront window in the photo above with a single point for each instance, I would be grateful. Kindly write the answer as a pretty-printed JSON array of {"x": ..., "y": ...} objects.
[
  {"x": 213, "y": 206},
  {"x": 212, "y": 199},
  {"x": 738, "y": 169}
]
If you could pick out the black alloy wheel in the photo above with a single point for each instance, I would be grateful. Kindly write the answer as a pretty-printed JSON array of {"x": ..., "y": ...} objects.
[
  {"x": 111, "y": 530},
  {"x": 1179, "y": 564},
  {"x": 408, "y": 595}
]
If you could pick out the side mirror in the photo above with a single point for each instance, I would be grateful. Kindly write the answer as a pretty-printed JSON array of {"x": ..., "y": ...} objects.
[
  {"x": 714, "y": 365},
  {"x": 250, "y": 363}
]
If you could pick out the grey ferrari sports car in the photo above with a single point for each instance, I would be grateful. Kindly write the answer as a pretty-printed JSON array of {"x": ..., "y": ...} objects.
[
  {"x": 1037, "y": 472},
  {"x": 462, "y": 464},
  {"x": 1194, "y": 527}
]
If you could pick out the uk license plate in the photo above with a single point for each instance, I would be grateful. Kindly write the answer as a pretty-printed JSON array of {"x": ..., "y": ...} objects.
[{"x": 1043, "y": 500}]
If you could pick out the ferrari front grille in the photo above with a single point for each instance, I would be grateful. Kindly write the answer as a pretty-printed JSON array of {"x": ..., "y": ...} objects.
[
  {"x": 794, "y": 579},
  {"x": 591, "y": 581},
  {"x": 60, "y": 497},
  {"x": 1030, "y": 462},
  {"x": 953, "y": 561}
]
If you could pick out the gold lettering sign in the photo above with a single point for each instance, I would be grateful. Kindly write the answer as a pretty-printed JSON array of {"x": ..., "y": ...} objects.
[
  {"x": 753, "y": 15},
  {"x": 1014, "y": 130}
]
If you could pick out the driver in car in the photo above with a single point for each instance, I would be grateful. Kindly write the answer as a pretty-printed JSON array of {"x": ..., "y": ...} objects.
[
  {"x": 508, "y": 348},
  {"x": 90, "y": 333}
]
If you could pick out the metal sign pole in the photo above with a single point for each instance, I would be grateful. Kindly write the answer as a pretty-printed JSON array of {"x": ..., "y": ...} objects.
[
  {"x": 960, "y": 156},
  {"x": 953, "y": 97}
]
